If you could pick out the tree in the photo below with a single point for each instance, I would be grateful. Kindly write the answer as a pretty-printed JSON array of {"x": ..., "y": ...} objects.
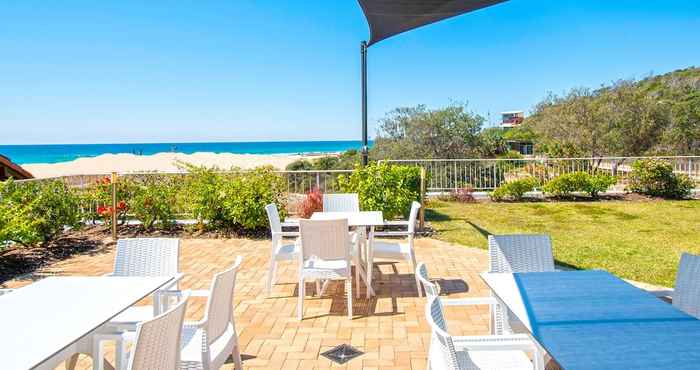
[
  {"x": 659, "y": 115},
  {"x": 419, "y": 132}
]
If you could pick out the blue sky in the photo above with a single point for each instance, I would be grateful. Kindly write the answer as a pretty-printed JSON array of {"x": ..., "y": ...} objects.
[{"x": 79, "y": 71}]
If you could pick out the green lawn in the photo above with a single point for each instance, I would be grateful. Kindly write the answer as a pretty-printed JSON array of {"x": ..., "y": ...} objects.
[{"x": 639, "y": 240}]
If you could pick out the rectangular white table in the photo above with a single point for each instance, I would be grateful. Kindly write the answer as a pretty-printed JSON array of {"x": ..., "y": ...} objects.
[
  {"x": 594, "y": 320},
  {"x": 40, "y": 324},
  {"x": 369, "y": 219}
]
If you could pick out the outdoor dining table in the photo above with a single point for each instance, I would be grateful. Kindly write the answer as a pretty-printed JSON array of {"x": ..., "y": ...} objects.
[
  {"x": 42, "y": 324},
  {"x": 594, "y": 320},
  {"x": 369, "y": 219}
]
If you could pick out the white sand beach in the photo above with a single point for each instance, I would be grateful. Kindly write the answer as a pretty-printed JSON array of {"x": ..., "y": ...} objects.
[{"x": 162, "y": 162}]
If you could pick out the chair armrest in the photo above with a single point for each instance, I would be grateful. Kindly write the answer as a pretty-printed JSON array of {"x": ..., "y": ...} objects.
[
  {"x": 176, "y": 279},
  {"x": 495, "y": 343},
  {"x": 396, "y": 223},
  {"x": 480, "y": 301},
  {"x": 664, "y": 293},
  {"x": 392, "y": 233},
  {"x": 116, "y": 336},
  {"x": 283, "y": 234},
  {"x": 199, "y": 293}
]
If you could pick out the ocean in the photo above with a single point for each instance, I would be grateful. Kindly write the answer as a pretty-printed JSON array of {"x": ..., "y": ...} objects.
[{"x": 26, "y": 154}]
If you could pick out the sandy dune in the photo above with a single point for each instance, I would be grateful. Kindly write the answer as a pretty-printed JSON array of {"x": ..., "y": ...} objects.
[{"x": 163, "y": 162}]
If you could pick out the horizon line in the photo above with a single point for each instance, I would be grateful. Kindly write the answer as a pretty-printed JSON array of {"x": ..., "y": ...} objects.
[{"x": 191, "y": 142}]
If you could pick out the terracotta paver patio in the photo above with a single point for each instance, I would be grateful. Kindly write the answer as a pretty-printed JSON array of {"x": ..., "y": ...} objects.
[{"x": 390, "y": 329}]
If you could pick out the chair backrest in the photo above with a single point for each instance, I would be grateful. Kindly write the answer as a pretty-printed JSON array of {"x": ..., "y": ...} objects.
[
  {"x": 147, "y": 257},
  {"x": 273, "y": 216},
  {"x": 157, "y": 345},
  {"x": 442, "y": 350},
  {"x": 686, "y": 295},
  {"x": 520, "y": 253},
  {"x": 431, "y": 289},
  {"x": 324, "y": 239},
  {"x": 219, "y": 313},
  {"x": 413, "y": 216},
  {"x": 348, "y": 202}
]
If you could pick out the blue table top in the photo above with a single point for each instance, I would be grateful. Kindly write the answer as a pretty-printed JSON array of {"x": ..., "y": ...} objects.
[{"x": 594, "y": 320}]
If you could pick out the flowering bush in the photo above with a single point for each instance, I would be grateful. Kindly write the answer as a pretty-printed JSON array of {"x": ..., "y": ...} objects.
[
  {"x": 99, "y": 198},
  {"x": 312, "y": 203},
  {"x": 154, "y": 202}
]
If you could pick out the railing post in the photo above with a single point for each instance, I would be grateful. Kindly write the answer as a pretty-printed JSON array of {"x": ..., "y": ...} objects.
[
  {"x": 422, "y": 198},
  {"x": 318, "y": 180},
  {"x": 114, "y": 206}
]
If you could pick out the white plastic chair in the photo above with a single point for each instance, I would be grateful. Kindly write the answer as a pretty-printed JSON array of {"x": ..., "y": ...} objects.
[
  {"x": 396, "y": 251},
  {"x": 344, "y": 202},
  {"x": 432, "y": 290},
  {"x": 686, "y": 295},
  {"x": 209, "y": 342},
  {"x": 517, "y": 253},
  {"x": 520, "y": 253},
  {"x": 326, "y": 253},
  {"x": 206, "y": 344},
  {"x": 502, "y": 352},
  {"x": 146, "y": 257},
  {"x": 281, "y": 251},
  {"x": 157, "y": 341}
]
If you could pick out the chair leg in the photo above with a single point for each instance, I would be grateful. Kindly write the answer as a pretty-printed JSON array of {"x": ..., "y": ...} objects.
[
  {"x": 120, "y": 361},
  {"x": 348, "y": 292},
  {"x": 413, "y": 268},
  {"x": 71, "y": 362},
  {"x": 271, "y": 275},
  {"x": 300, "y": 301},
  {"x": 237, "y": 362},
  {"x": 357, "y": 278}
]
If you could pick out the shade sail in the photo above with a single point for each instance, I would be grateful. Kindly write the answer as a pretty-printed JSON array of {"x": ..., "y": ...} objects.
[{"x": 387, "y": 18}]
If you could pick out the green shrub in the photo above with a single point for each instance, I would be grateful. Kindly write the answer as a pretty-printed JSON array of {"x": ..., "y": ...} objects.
[
  {"x": 34, "y": 213},
  {"x": 567, "y": 184},
  {"x": 247, "y": 193},
  {"x": 599, "y": 183},
  {"x": 383, "y": 187},
  {"x": 205, "y": 196},
  {"x": 514, "y": 190},
  {"x": 154, "y": 202},
  {"x": 655, "y": 177}
]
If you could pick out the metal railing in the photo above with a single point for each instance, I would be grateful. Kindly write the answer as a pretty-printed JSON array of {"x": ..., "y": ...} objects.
[
  {"x": 488, "y": 174},
  {"x": 298, "y": 182}
]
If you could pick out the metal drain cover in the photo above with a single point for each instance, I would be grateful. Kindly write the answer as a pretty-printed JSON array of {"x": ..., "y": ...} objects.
[{"x": 342, "y": 354}]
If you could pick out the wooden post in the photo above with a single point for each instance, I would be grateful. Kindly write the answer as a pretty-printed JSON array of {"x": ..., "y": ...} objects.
[
  {"x": 422, "y": 198},
  {"x": 114, "y": 206}
]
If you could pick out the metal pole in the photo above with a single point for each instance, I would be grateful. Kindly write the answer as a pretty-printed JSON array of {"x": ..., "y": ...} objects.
[
  {"x": 365, "y": 149},
  {"x": 114, "y": 205}
]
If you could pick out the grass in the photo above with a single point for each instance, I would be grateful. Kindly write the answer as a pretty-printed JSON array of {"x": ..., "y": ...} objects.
[{"x": 638, "y": 240}]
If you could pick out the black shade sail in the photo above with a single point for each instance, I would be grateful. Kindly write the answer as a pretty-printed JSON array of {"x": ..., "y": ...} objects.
[{"x": 387, "y": 18}]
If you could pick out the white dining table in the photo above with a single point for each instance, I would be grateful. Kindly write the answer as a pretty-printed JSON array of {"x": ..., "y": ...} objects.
[
  {"x": 42, "y": 324},
  {"x": 370, "y": 219}
]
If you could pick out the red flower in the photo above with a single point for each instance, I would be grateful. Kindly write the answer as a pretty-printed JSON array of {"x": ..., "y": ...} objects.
[{"x": 121, "y": 205}]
